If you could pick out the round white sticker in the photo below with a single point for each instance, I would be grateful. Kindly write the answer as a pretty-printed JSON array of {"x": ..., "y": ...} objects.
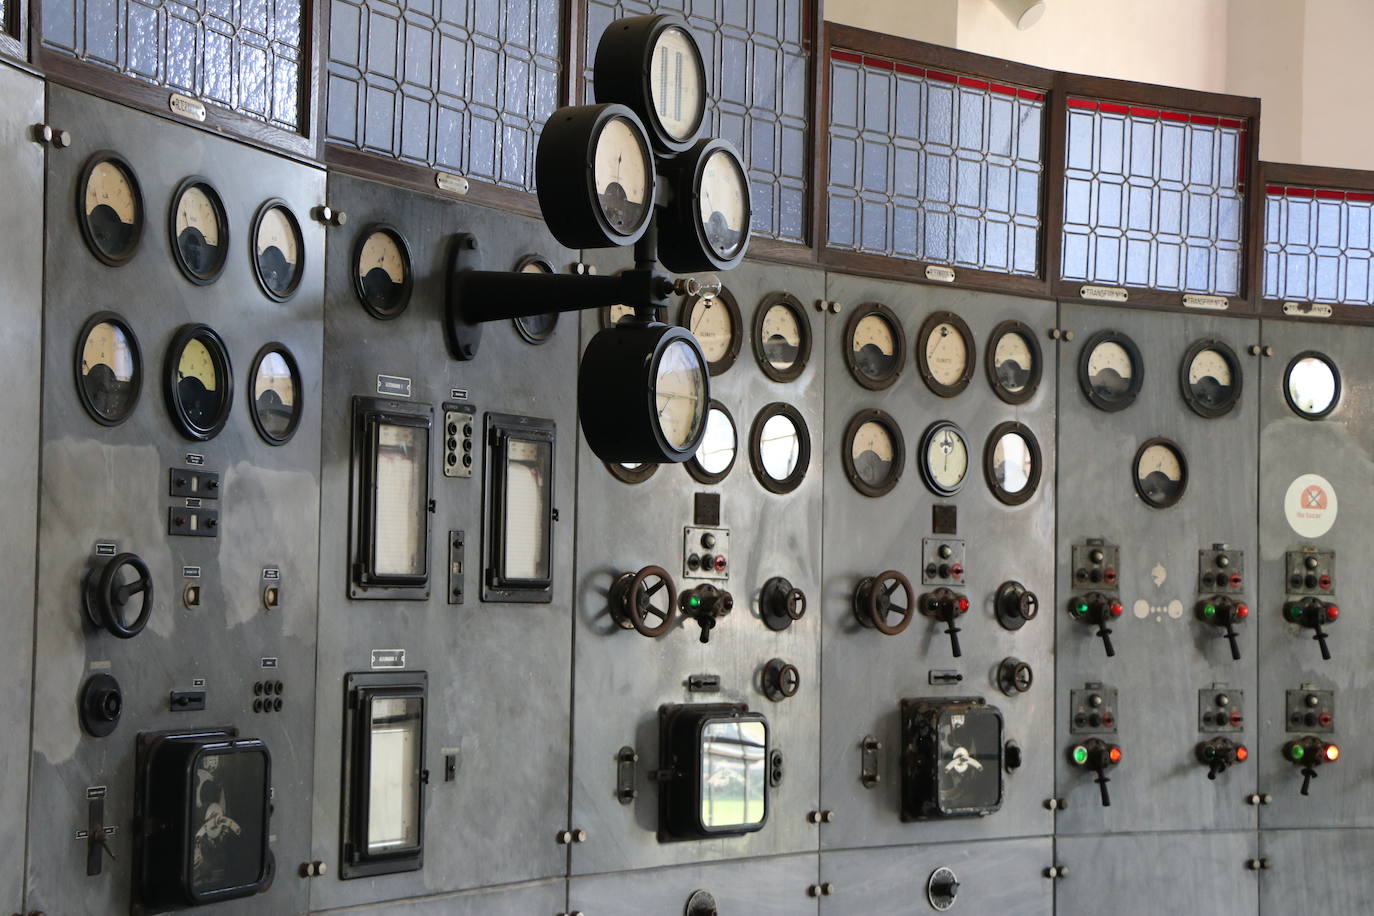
[{"x": 1310, "y": 505}]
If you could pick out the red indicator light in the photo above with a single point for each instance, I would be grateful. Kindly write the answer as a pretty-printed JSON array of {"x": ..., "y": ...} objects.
[
  {"x": 963, "y": 604},
  {"x": 1332, "y": 752},
  {"x": 1114, "y": 755},
  {"x": 1236, "y": 718},
  {"x": 1324, "y": 582},
  {"x": 1324, "y": 720},
  {"x": 1241, "y": 752},
  {"x": 1236, "y": 580},
  {"x": 1117, "y": 609},
  {"x": 1332, "y": 612},
  {"x": 1109, "y": 575},
  {"x": 958, "y": 571},
  {"x": 1242, "y": 611},
  {"x": 1109, "y": 720},
  {"x": 720, "y": 564}
]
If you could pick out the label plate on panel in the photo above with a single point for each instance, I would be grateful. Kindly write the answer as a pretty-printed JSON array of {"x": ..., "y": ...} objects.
[
  {"x": 1307, "y": 309},
  {"x": 939, "y": 274},
  {"x": 1215, "y": 303},
  {"x": 388, "y": 658},
  {"x": 1104, "y": 293},
  {"x": 1310, "y": 505}
]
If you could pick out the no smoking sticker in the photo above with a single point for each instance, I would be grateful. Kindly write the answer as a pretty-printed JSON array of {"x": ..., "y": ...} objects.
[{"x": 1310, "y": 505}]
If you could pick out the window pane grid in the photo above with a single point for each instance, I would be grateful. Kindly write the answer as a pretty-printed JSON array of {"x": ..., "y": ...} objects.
[{"x": 1318, "y": 245}]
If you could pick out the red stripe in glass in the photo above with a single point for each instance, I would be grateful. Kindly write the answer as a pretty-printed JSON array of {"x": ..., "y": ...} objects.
[
  {"x": 942, "y": 77},
  {"x": 1232, "y": 123},
  {"x": 1085, "y": 104},
  {"x": 1113, "y": 108},
  {"x": 1032, "y": 95},
  {"x": 973, "y": 83},
  {"x": 1144, "y": 112},
  {"x": 1299, "y": 192},
  {"x": 1004, "y": 90},
  {"x": 847, "y": 57},
  {"x": 1331, "y": 195},
  {"x": 878, "y": 63},
  {"x": 1207, "y": 120},
  {"x": 912, "y": 71},
  {"x": 1274, "y": 189},
  {"x": 1173, "y": 116},
  {"x": 1362, "y": 196}
]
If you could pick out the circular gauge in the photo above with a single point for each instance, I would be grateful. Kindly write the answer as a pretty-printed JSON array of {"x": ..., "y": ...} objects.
[
  {"x": 780, "y": 448},
  {"x": 1013, "y": 362},
  {"x": 706, "y": 226},
  {"x": 1161, "y": 473},
  {"x": 1211, "y": 376},
  {"x": 595, "y": 176},
  {"x": 200, "y": 231},
  {"x": 382, "y": 276},
  {"x": 109, "y": 208},
  {"x": 874, "y": 452},
  {"x": 716, "y": 454},
  {"x": 276, "y": 393},
  {"x": 1312, "y": 385},
  {"x": 109, "y": 368},
  {"x": 717, "y": 326},
  {"x": 199, "y": 383},
  {"x": 612, "y": 314},
  {"x": 782, "y": 337},
  {"x": 875, "y": 347},
  {"x": 945, "y": 354},
  {"x": 278, "y": 251},
  {"x": 680, "y": 393},
  {"x": 944, "y": 458},
  {"x": 631, "y": 472},
  {"x": 653, "y": 65},
  {"x": 1110, "y": 370},
  {"x": 535, "y": 329},
  {"x": 1011, "y": 463}
]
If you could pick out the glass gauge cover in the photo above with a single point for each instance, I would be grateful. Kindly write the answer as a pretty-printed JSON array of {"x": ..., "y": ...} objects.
[
  {"x": 782, "y": 337},
  {"x": 109, "y": 208},
  {"x": 1110, "y": 370},
  {"x": 1013, "y": 362},
  {"x": 535, "y": 329},
  {"x": 780, "y": 447},
  {"x": 653, "y": 65},
  {"x": 199, "y": 231},
  {"x": 1210, "y": 375},
  {"x": 382, "y": 276},
  {"x": 1011, "y": 463},
  {"x": 945, "y": 354},
  {"x": 875, "y": 346},
  {"x": 716, "y": 454},
  {"x": 109, "y": 368},
  {"x": 1161, "y": 473},
  {"x": 706, "y": 226},
  {"x": 198, "y": 382},
  {"x": 275, "y": 393},
  {"x": 611, "y": 315},
  {"x": 1312, "y": 385},
  {"x": 633, "y": 471},
  {"x": 717, "y": 326},
  {"x": 278, "y": 250},
  {"x": 680, "y": 393},
  {"x": 874, "y": 452},
  {"x": 944, "y": 458}
]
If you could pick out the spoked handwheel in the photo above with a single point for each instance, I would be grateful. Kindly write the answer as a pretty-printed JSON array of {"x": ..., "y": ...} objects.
[
  {"x": 645, "y": 601},
  {"x": 875, "y": 607}
]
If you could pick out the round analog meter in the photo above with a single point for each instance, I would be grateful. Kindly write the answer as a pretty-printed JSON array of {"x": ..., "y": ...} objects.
[
  {"x": 631, "y": 472},
  {"x": 382, "y": 277},
  {"x": 1110, "y": 370},
  {"x": 677, "y": 83},
  {"x": 716, "y": 454},
  {"x": 535, "y": 329},
  {"x": 654, "y": 65},
  {"x": 944, "y": 458},
  {"x": 1013, "y": 362},
  {"x": 1161, "y": 473},
  {"x": 278, "y": 251},
  {"x": 680, "y": 393},
  {"x": 874, "y": 452},
  {"x": 782, "y": 337},
  {"x": 1011, "y": 463},
  {"x": 875, "y": 348},
  {"x": 780, "y": 447},
  {"x": 1312, "y": 385},
  {"x": 706, "y": 227},
  {"x": 1211, "y": 376},
  {"x": 945, "y": 353},
  {"x": 198, "y": 380},
  {"x": 623, "y": 175},
  {"x": 110, "y": 208},
  {"x": 717, "y": 326},
  {"x": 611, "y": 315},
  {"x": 200, "y": 231},
  {"x": 276, "y": 393},
  {"x": 109, "y": 368}
]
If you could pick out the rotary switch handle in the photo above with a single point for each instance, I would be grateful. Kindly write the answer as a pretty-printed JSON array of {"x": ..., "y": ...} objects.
[
  {"x": 632, "y": 601},
  {"x": 781, "y": 604},
  {"x": 706, "y": 604},
  {"x": 1314, "y": 614},
  {"x": 873, "y": 602},
  {"x": 1219, "y": 754},
  {"x": 781, "y": 680},
  {"x": 108, "y": 594},
  {"x": 1098, "y": 756},
  {"x": 947, "y": 606},
  {"x": 1097, "y": 608},
  {"x": 1310, "y": 752},
  {"x": 1016, "y": 605},
  {"x": 1221, "y": 611}
]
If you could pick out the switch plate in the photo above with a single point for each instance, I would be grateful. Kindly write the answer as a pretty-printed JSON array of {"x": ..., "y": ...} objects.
[
  {"x": 938, "y": 569},
  {"x": 192, "y": 522},
  {"x": 1092, "y": 574},
  {"x": 193, "y": 483},
  {"x": 1089, "y": 717},
  {"x": 694, "y": 547},
  {"x": 457, "y": 542},
  {"x": 1221, "y": 571},
  {"x": 1307, "y": 708},
  {"x": 1306, "y": 570},
  {"x": 1216, "y": 716},
  {"x": 459, "y": 455}
]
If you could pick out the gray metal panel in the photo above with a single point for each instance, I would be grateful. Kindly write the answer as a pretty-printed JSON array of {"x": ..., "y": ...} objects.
[
  {"x": 1150, "y": 873},
  {"x": 1341, "y": 449},
  {"x": 538, "y": 897},
  {"x": 865, "y": 673},
  {"x": 764, "y": 886},
  {"x": 498, "y": 673},
  {"x": 995, "y": 876},
  {"x": 1316, "y": 871},
  {"x": 621, "y": 678},
  {"x": 1161, "y": 660},
  {"x": 111, "y": 484}
]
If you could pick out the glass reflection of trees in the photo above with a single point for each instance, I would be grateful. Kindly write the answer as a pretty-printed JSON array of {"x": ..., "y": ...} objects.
[{"x": 732, "y": 773}]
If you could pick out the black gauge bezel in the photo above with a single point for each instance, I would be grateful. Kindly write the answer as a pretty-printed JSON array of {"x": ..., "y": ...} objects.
[
  {"x": 221, "y": 223},
  {"x": 894, "y": 432},
  {"x": 140, "y": 215},
  {"x": 219, "y": 355},
  {"x": 529, "y": 336},
  {"x": 1137, "y": 379},
  {"x": 297, "y": 408},
  {"x": 622, "y": 71},
  {"x": 1335, "y": 375},
  {"x": 1233, "y": 363},
  {"x": 407, "y": 283},
  {"x": 623, "y": 474},
  {"x": 726, "y": 298},
  {"x": 1172, "y": 446},
  {"x": 1022, "y": 330},
  {"x": 794, "y": 371},
  {"x": 793, "y": 480},
  {"x": 928, "y": 327},
  {"x": 258, "y": 217},
  {"x": 989, "y": 463},
  {"x": 927, "y": 475},
  {"x": 898, "y": 334},
  {"x": 135, "y": 351},
  {"x": 682, "y": 243},
  {"x": 700, "y": 474}
]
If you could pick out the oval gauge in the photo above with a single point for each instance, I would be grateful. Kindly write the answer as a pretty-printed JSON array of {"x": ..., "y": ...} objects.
[
  {"x": 945, "y": 354},
  {"x": 706, "y": 226},
  {"x": 109, "y": 368},
  {"x": 200, "y": 230},
  {"x": 782, "y": 337},
  {"x": 275, "y": 392},
  {"x": 1312, "y": 385},
  {"x": 631, "y": 472},
  {"x": 717, "y": 326},
  {"x": 535, "y": 329},
  {"x": 1211, "y": 376},
  {"x": 780, "y": 447},
  {"x": 944, "y": 458},
  {"x": 1161, "y": 473},
  {"x": 1013, "y": 362},
  {"x": 382, "y": 276},
  {"x": 653, "y": 65},
  {"x": 1011, "y": 463},
  {"x": 1110, "y": 370},
  {"x": 109, "y": 208},
  {"x": 875, "y": 346},
  {"x": 198, "y": 382},
  {"x": 716, "y": 454},
  {"x": 874, "y": 452},
  {"x": 278, "y": 250}
]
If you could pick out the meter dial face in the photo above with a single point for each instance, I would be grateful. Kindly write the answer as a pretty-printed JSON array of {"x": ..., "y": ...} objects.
[
  {"x": 680, "y": 393},
  {"x": 1013, "y": 362},
  {"x": 716, "y": 454},
  {"x": 677, "y": 83},
  {"x": 782, "y": 337},
  {"x": 944, "y": 458},
  {"x": 611, "y": 315},
  {"x": 1110, "y": 370},
  {"x": 621, "y": 171},
  {"x": 1011, "y": 462},
  {"x": 1211, "y": 378},
  {"x": 200, "y": 231},
  {"x": 275, "y": 393},
  {"x": 780, "y": 447},
  {"x": 535, "y": 329},
  {"x": 876, "y": 346},
  {"x": 724, "y": 207},
  {"x": 945, "y": 353},
  {"x": 874, "y": 453},
  {"x": 109, "y": 370},
  {"x": 278, "y": 252},
  {"x": 382, "y": 277},
  {"x": 1312, "y": 385},
  {"x": 1161, "y": 473},
  {"x": 110, "y": 208},
  {"x": 199, "y": 385},
  {"x": 715, "y": 323}
]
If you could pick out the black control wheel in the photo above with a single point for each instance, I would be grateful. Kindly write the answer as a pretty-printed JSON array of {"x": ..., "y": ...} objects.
[
  {"x": 109, "y": 593},
  {"x": 1016, "y": 605},
  {"x": 632, "y": 601},
  {"x": 873, "y": 602},
  {"x": 781, "y": 680},
  {"x": 781, "y": 604},
  {"x": 1014, "y": 676},
  {"x": 101, "y": 705}
]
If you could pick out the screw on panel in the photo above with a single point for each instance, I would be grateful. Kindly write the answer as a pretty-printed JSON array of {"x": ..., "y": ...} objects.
[
  {"x": 46, "y": 133},
  {"x": 824, "y": 889},
  {"x": 579, "y": 836},
  {"x": 1056, "y": 804},
  {"x": 564, "y": 837}
]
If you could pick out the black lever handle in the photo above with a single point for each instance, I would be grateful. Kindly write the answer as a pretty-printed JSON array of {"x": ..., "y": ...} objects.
[
  {"x": 1320, "y": 637},
  {"x": 1308, "y": 774},
  {"x": 1231, "y": 638},
  {"x": 1106, "y": 633},
  {"x": 953, "y": 632},
  {"x": 1102, "y": 780}
]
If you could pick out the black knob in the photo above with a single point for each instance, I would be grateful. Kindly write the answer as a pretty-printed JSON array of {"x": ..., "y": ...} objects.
[
  {"x": 1015, "y": 604},
  {"x": 101, "y": 705},
  {"x": 109, "y": 591},
  {"x": 781, "y": 604},
  {"x": 706, "y": 604},
  {"x": 781, "y": 680},
  {"x": 1096, "y": 608},
  {"x": 945, "y": 605},
  {"x": 1011, "y": 756}
]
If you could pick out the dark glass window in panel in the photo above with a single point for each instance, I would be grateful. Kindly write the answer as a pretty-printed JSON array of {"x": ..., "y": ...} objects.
[{"x": 1318, "y": 245}]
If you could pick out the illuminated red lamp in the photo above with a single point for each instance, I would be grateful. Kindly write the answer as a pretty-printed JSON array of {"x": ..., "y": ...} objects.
[
  {"x": 1114, "y": 755},
  {"x": 1236, "y": 719},
  {"x": 1117, "y": 609},
  {"x": 957, "y": 570},
  {"x": 1332, "y": 753},
  {"x": 1242, "y": 611},
  {"x": 963, "y": 604},
  {"x": 1332, "y": 612},
  {"x": 1324, "y": 720},
  {"x": 720, "y": 564},
  {"x": 1236, "y": 580},
  {"x": 1109, "y": 575},
  {"x": 1241, "y": 752}
]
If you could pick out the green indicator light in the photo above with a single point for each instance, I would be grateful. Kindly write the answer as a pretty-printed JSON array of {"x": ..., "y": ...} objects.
[
  {"x": 1080, "y": 755},
  {"x": 694, "y": 601},
  {"x": 1297, "y": 752},
  {"x": 1079, "y": 609},
  {"x": 1209, "y": 752},
  {"x": 1209, "y": 611},
  {"x": 1294, "y": 611}
]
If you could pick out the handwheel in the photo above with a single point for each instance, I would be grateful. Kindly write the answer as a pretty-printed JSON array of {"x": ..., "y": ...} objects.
[
  {"x": 632, "y": 605},
  {"x": 781, "y": 680},
  {"x": 1016, "y": 604},
  {"x": 108, "y": 594},
  {"x": 873, "y": 602},
  {"x": 781, "y": 604}
]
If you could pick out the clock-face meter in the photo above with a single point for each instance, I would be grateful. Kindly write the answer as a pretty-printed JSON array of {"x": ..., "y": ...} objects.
[
  {"x": 278, "y": 250},
  {"x": 110, "y": 208},
  {"x": 109, "y": 370},
  {"x": 382, "y": 275},
  {"x": 200, "y": 231}
]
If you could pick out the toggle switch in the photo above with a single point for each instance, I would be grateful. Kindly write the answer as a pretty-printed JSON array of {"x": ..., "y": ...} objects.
[
  {"x": 1218, "y": 754},
  {"x": 1098, "y": 756},
  {"x": 1310, "y": 752},
  {"x": 1221, "y": 611},
  {"x": 946, "y": 606},
  {"x": 1313, "y": 614},
  {"x": 706, "y": 604},
  {"x": 1096, "y": 608}
]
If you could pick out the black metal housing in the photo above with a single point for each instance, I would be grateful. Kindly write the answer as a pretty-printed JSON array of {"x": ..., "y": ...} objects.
[
  {"x": 119, "y": 258},
  {"x": 299, "y": 271},
  {"x": 683, "y": 245},
  {"x": 224, "y": 372},
  {"x": 693, "y": 466},
  {"x": 1172, "y": 446},
  {"x": 792, "y": 304},
  {"x": 927, "y": 474},
  {"x": 1233, "y": 363},
  {"x": 1335, "y": 375},
  {"x": 383, "y": 311},
  {"x": 622, "y": 69},
  {"x": 726, "y": 299},
  {"x": 952, "y": 758},
  {"x": 793, "y": 480},
  {"x": 297, "y": 409},
  {"x": 1137, "y": 378},
  {"x": 1022, "y": 330},
  {"x": 363, "y": 581},
  {"x": 681, "y": 728},
  {"x": 894, "y": 432},
  {"x": 989, "y": 466},
  {"x": 873, "y": 383},
  {"x": 970, "y": 353},
  {"x": 501, "y": 429},
  {"x": 221, "y": 219},
  {"x": 136, "y": 382}
]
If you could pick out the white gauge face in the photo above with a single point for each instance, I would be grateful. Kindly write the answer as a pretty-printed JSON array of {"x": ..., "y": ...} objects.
[
  {"x": 108, "y": 186},
  {"x": 381, "y": 252},
  {"x": 622, "y": 176},
  {"x": 782, "y": 337},
  {"x": 779, "y": 447},
  {"x": 277, "y": 250},
  {"x": 1013, "y": 362},
  {"x": 712, "y": 324},
  {"x": 947, "y": 458},
  {"x": 680, "y": 393},
  {"x": 617, "y": 312},
  {"x": 1160, "y": 475},
  {"x": 872, "y": 453},
  {"x": 195, "y": 211},
  {"x": 676, "y": 82},
  {"x": 724, "y": 203},
  {"x": 946, "y": 354},
  {"x": 108, "y": 370},
  {"x": 717, "y": 450},
  {"x": 1012, "y": 463},
  {"x": 1312, "y": 385},
  {"x": 275, "y": 390},
  {"x": 874, "y": 347},
  {"x": 1110, "y": 369},
  {"x": 1209, "y": 378}
]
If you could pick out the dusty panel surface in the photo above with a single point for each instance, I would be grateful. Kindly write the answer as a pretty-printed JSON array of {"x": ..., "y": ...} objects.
[
  {"x": 517, "y": 900},
  {"x": 1319, "y": 870},
  {"x": 1143, "y": 874},
  {"x": 771, "y": 885}
]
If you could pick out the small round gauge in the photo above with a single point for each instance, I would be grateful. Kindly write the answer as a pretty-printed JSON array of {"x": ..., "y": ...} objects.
[
  {"x": 717, "y": 326},
  {"x": 278, "y": 250},
  {"x": 1161, "y": 473},
  {"x": 874, "y": 452},
  {"x": 611, "y": 315},
  {"x": 716, "y": 454},
  {"x": 109, "y": 368},
  {"x": 198, "y": 380},
  {"x": 623, "y": 175},
  {"x": 1011, "y": 463},
  {"x": 780, "y": 447},
  {"x": 680, "y": 394},
  {"x": 535, "y": 329},
  {"x": 654, "y": 65},
  {"x": 782, "y": 337},
  {"x": 631, "y": 472},
  {"x": 1211, "y": 377},
  {"x": 1013, "y": 362},
  {"x": 876, "y": 346},
  {"x": 199, "y": 230},
  {"x": 1110, "y": 370},
  {"x": 109, "y": 208},
  {"x": 1312, "y": 385},
  {"x": 275, "y": 391},
  {"x": 945, "y": 354},
  {"x": 382, "y": 276},
  {"x": 706, "y": 225},
  {"x": 944, "y": 458}
]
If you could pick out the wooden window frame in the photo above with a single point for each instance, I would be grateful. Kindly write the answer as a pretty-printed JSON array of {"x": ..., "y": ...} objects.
[{"x": 13, "y": 40}]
